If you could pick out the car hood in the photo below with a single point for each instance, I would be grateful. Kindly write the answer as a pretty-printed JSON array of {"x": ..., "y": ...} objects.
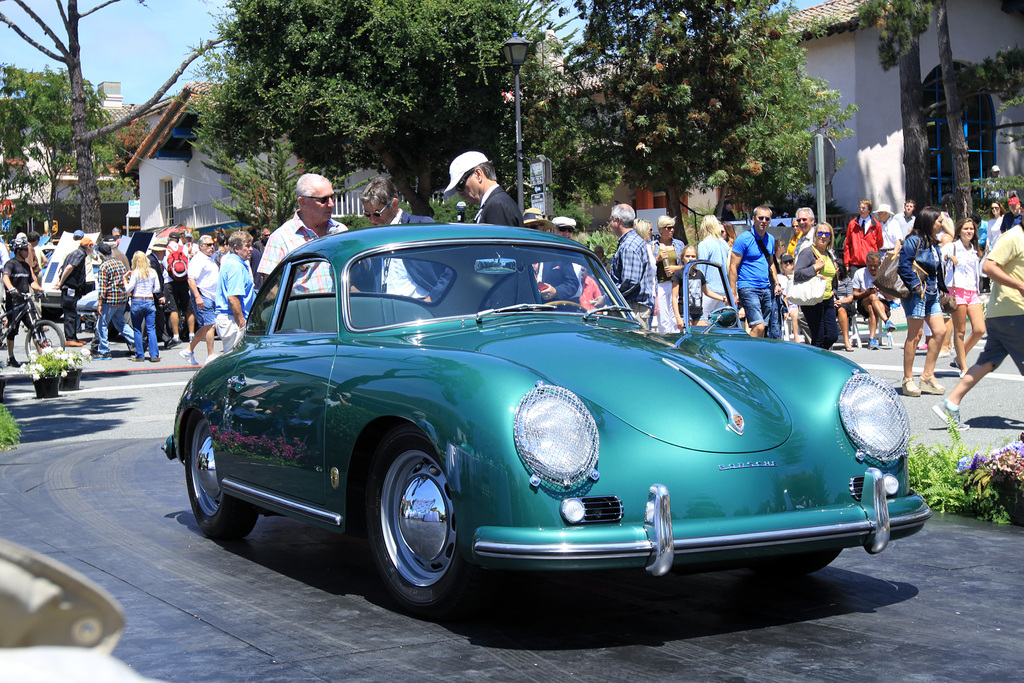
[{"x": 636, "y": 377}]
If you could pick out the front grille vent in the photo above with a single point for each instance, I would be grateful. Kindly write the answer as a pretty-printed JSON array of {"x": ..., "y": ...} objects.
[
  {"x": 601, "y": 509},
  {"x": 857, "y": 487}
]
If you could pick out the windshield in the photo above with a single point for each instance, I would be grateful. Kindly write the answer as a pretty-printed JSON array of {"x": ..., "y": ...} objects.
[{"x": 477, "y": 279}]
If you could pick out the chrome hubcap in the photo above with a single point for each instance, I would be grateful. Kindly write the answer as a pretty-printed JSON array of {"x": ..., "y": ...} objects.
[
  {"x": 204, "y": 475},
  {"x": 416, "y": 518}
]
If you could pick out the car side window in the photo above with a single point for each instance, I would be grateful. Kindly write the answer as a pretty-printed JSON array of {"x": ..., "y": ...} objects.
[
  {"x": 310, "y": 304},
  {"x": 263, "y": 308}
]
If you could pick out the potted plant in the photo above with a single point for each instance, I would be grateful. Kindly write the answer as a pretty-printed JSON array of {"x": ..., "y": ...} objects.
[
  {"x": 49, "y": 368},
  {"x": 998, "y": 478}
]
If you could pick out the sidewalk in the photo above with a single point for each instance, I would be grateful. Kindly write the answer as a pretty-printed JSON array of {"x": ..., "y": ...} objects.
[{"x": 120, "y": 364}]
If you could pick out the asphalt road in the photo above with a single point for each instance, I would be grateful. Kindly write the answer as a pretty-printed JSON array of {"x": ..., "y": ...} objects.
[
  {"x": 293, "y": 603},
  {"x": 90, "y": 487}
]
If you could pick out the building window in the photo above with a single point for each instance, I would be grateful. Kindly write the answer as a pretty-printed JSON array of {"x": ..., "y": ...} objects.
[
  {"x": 979, "y": 128},
  {"x": 167, "y": 200}
]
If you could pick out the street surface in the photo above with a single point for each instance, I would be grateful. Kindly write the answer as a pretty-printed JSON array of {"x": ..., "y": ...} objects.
[{"x": 91, "y": 488}]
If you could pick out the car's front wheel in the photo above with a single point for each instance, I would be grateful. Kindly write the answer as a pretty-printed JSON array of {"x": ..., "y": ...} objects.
[
  {"x": 219, "y": 515},
  {"x": 412, "y": 530}
]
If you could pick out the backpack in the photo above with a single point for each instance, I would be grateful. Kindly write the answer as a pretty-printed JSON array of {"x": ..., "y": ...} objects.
[{"x": 177, "y": 264}]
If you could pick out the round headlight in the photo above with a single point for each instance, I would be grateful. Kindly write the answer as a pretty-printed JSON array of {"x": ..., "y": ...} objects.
[
  {"x": 556, "y": 435},
  {"x": 874, "y": 417}
]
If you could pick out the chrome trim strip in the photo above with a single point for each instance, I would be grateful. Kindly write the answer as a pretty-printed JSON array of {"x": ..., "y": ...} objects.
[
  {"x": 628, "y": 549},
  {"x": 735, "y": 420},
  {"x": 300, "y": 509},
  {"x": 877, "y": 510},
  {"x": 562, "y": 551},
  {"x": 658, "y": 525}
]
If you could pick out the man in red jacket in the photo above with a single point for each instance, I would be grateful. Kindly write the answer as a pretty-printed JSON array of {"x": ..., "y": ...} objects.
[{"x": 863, "y": 236}]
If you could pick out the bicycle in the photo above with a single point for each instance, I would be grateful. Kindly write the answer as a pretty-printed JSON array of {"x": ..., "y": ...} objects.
[{"x": 42, "y": 334}]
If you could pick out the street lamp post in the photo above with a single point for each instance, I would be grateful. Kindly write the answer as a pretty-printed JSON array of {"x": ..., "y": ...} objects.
[{"x": 514, "y": 50}]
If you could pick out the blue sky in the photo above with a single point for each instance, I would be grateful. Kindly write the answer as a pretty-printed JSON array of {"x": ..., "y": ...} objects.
[{"x": 138, "y": 45}]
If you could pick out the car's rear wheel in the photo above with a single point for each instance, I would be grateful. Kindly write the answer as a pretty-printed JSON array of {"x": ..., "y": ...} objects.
[
  {"x": 412, "y": 529},
  {"x": 797, "y": 565},
  {"x": 219, "y": 515}
]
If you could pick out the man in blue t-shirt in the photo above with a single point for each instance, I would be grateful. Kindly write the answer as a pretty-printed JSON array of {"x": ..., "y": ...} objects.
[
  {"x": 235, "y": 290},
  {"x": 751, "y": 274}
]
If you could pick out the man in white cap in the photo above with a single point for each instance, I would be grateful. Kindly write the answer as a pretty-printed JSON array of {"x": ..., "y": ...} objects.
[
  {"x": 892, "y": 230},
  {"x": 472, "y": 176},
  {"x": 992, "y": 191}
]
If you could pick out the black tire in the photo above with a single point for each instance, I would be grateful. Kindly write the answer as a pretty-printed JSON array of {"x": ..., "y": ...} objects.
[
  {"x": 797, "y": 565},
  {"x": 220, "y": 516},
  {"x": 417, "y": 557},
  {"x": 44, "y": 333}
]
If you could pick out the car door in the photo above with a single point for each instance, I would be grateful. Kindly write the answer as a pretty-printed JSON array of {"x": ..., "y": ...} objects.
[{"x": 277, "y": 394}]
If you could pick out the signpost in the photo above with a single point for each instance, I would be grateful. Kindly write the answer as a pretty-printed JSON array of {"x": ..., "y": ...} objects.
[
  {"x": 821, "y": 163},
  {"x": 540, "y": 183},
  {"x": 134, "y": 211}
]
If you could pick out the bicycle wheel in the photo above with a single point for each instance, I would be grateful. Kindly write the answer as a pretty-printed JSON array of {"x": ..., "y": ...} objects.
[{"x": 43, "y": 334}]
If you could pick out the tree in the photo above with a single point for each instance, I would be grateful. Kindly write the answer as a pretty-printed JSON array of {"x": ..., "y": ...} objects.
[
  {"x": 262, "y": 187},
  {"x": 67, "y": 50},
  {"x": 395, "y": 85},
  {"x": 900, "y": 24},
  {"x": 38, "y": 136}
]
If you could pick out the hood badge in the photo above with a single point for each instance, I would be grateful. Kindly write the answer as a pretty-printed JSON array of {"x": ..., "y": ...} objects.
[
  {"x": 734, "y": 421},
  {"x": 745, "y": 465}
]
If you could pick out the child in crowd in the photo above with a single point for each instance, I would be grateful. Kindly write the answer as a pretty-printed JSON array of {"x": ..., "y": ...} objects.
[
  {"x": 844, "y": 302},
  {"x": 695, "y": 287},
  {"x": 785, "y": 282}
]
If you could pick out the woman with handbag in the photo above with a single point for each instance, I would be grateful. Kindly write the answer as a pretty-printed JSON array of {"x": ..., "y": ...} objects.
[
  {"x": 962, "y": 259},
  {"x": 815, "y": 269},
  {"x": 921, "y": 271}
]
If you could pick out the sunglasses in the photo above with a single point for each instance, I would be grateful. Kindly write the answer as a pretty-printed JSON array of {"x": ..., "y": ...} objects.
[
  {"x": 762, "y": 218},
  {"x": 461, "y": 185},
  {"x": 377, "y": 214},
  {"x": 322, "y": 201},
  {"x": 824, "y": 234}
]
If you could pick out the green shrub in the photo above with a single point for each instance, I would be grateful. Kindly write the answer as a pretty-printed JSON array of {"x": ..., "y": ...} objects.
[{"x": 10, "y": 432}]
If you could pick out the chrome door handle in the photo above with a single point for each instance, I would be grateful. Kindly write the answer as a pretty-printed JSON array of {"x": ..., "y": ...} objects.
[{"x": 236, "y": 383}]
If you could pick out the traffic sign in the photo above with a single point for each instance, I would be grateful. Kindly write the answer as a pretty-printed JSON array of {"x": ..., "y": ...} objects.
[
  {"x": 134, "y": 208},
  {"x": 5, "y": 224},
  {"x": 6, "y": 207}
]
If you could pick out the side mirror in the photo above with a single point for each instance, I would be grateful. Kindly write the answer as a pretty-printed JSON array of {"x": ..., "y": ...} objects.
[{"x": 724, "y": 317}]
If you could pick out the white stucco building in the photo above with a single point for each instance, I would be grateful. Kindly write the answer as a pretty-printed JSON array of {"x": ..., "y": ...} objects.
[{"x": 847, "y": 57}]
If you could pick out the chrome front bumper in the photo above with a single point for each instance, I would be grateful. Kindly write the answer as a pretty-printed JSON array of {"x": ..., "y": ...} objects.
[{"x": 660, "y": 547}]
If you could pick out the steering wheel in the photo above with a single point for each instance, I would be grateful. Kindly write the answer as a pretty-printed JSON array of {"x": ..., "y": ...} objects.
[{"x": 562, "y": 302}]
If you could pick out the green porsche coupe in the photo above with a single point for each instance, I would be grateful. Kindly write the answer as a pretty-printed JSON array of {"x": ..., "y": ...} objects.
[{"x": 477, "y": 398}]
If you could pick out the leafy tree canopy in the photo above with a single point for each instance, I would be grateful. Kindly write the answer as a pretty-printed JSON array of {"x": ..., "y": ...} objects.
[
  {"x": 37, "y": 141},
  {"x": 702, "y": 93},
  {"x": 401, "y": 86}
]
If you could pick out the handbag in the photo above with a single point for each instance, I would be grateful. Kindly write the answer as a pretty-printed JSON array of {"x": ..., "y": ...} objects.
[
  {"x": 888, "y": 279},
  {"x": 808, "y": 292}
]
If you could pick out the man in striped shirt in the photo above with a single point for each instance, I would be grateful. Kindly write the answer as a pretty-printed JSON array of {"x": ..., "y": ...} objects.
[{"x": 110, "y": 299}]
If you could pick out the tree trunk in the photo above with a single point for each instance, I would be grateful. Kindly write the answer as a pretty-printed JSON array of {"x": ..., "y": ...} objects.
[
  {"x": 88, "y": 189},
  {"x": 954, "y": 117},
  {"x": 915, "y": 141},
  {"x": 672, "y": 204},
  {"x": 418, "y": 203}
]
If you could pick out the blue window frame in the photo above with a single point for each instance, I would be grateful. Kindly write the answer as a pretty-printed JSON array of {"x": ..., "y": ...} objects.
[{"x": 979, "y": 128}]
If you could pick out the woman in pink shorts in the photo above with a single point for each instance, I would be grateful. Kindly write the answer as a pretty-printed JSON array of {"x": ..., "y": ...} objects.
[{"x": 962, "y": 264}]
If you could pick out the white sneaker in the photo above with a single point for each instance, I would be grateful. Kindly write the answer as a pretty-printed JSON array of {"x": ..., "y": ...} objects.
[
  {"x": 189, "y": 357},
  {"x": 210, "y": 358}
]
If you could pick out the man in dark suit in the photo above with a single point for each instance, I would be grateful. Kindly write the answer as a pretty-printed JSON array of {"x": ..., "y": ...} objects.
[
  {"x": 380, "y": 204},
  {"x": 472, "y": 176}
]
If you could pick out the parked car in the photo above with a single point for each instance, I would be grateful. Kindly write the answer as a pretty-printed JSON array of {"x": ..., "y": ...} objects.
[{"x": 414, "y": 384}]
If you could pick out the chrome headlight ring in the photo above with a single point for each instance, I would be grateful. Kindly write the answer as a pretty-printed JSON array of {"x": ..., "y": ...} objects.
[
  {"x": 556, "y": 436},
  {"x": 875, "y": 418}
]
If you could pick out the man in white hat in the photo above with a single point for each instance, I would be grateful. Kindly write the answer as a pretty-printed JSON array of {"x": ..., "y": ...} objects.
[
  {"x": 992, "y": 190},
  {"x": 892, "y": 231},
  {"x": 473, "y": 178}
]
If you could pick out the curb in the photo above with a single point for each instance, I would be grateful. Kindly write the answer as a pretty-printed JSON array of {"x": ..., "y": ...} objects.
[{"x": 126, "y": 372}]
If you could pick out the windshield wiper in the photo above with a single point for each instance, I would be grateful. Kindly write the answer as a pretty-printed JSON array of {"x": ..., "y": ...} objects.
[
  {"x": 514, "y": 309},
  {"x": 604, "y": 309}
]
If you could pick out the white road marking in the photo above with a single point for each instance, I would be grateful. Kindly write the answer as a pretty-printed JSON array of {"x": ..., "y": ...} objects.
[{"x": 898, "y": 369}]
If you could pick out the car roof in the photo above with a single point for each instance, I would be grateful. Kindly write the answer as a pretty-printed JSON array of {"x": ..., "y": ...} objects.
[{"x": 342, "y": 246}]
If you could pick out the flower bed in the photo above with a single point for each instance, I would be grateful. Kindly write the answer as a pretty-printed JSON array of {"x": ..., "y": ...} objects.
[{"x": 55, "y": 363}]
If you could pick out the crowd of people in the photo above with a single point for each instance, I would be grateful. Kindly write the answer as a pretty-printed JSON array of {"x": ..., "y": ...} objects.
[{"x": 799, "y": 289}]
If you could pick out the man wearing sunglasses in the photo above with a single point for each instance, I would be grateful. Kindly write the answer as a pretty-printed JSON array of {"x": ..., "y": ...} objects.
[
  {"x": 380, "y": 204},
  {"x": 473, "y": 178},
  {"x": 752, "y": 273},
  {"x": 315, "y": 197}
]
